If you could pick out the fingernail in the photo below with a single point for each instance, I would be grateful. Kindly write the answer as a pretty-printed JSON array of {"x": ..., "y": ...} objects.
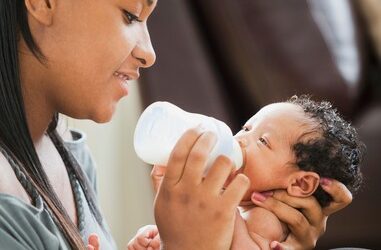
[
  {"x": 267, "y": 193},
  {"x": 325, "y": 181},
  {"x": 200, "y": 128},
  {"x": 258, "y": 197}
]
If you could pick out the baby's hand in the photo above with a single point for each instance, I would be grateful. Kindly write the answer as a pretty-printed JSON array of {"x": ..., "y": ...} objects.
[
  {"x": 147, "y": 238},
  {"x": 93, "y": 242}
]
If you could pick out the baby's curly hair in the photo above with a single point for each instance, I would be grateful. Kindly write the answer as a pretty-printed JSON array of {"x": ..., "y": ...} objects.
[{"x": 336, "y": 153}]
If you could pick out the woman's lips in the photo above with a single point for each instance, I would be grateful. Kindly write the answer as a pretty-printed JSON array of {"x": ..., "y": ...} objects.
[
  {"x": 122, "y": 76},
  {"x": 123, "y": 81},
  {"x": 127, "y": 75}
]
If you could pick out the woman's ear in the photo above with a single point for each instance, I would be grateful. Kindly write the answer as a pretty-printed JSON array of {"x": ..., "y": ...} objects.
[
  {"x": 41, "y": 10},
  {"x": 303, "y": 184}
]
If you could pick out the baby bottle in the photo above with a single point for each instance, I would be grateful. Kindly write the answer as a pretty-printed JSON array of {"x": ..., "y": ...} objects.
[{"x": 162, "y": 124}]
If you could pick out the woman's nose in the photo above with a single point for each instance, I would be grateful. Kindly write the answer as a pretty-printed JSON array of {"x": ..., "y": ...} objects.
[{"x": 144, "y": 54}]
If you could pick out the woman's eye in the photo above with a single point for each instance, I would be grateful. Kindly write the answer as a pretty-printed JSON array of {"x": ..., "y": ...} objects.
[
  {"x": 130, "y": 18},
  {"x": 263, "y": 141}
]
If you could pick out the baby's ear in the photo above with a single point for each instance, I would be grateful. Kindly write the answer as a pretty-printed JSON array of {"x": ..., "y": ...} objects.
[{"x": 303, "y": 184}]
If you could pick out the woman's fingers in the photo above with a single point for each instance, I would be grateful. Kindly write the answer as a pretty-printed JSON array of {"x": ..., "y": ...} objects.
[
  {"x": 178, "y": 157},
  {"x": 218, "y": 174},
  {"x": 295, "y": 220},
  {"x": 197, "y": 159},
  {"x": 342, "y": 197},
  {"x": 236, "y": 190},
  {"x": 308, "y": 206}
]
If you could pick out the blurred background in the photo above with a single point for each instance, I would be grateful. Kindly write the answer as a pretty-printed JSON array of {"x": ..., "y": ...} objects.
[{"x": 227, "y": 59}]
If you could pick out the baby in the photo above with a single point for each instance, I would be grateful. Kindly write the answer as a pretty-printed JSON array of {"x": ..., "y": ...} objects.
[{"x": 290, "y": 146}]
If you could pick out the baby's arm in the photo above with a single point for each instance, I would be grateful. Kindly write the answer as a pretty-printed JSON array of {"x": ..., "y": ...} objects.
[{"x": 264, "y": 227}]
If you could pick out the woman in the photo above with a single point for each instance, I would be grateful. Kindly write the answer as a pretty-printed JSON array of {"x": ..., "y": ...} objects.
[{"x": 74, "y": 57}]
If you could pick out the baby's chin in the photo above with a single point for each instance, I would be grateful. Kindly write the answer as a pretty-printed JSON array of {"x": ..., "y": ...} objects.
[{"x": 246, "y": 200}]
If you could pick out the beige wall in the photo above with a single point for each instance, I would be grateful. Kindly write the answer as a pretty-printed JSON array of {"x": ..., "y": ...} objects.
[{"x": 123, "y": 180}]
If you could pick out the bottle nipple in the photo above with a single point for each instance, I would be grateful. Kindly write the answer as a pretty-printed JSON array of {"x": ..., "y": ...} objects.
[
  {"x": 243, "y": 144},
  {"x": 239, "y": 154}
]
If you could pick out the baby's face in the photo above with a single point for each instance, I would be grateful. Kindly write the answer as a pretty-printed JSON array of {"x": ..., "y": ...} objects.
[{"x": 268, "y": 137}]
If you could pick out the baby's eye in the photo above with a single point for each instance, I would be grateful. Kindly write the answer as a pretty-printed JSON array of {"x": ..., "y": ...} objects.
[
  {"x": 245, "y": 128},
  {"x": 263, "y": 141}
]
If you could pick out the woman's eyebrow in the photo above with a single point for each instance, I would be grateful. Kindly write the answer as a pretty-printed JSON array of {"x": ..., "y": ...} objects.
[{"x": 149, "y": 2}]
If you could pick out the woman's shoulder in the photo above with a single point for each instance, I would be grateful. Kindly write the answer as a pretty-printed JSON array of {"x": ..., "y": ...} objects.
[
  {"x": 24, "y": 226},
  {"x": 13, "y": 207},
  {"x": 76, "y": 143},
  {"x": 9, "y": 184}
]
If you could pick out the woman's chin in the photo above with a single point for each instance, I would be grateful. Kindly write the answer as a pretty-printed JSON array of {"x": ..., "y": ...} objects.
[
  {"x": 103, "y": 119},
  {"x": 103, "y": 116}
]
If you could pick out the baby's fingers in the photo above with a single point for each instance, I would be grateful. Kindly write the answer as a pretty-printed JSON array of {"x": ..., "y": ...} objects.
[
  {"x": 93, "y": 242},
  {"x": 138, "y": 243},
  {"x": 275, "y": 245},
  {"x": 155, "y": 243},
  {"x": 143, "y": 240}
]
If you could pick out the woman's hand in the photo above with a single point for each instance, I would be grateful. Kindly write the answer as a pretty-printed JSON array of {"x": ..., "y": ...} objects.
[
  {"x": 192, "y": 212},
  {"x": 304, "y": 216},
  {"x": 147, "y": 238}
]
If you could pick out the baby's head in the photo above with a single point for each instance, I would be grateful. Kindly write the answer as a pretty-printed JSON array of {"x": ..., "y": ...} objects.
[{"x": 291, "y": 145}]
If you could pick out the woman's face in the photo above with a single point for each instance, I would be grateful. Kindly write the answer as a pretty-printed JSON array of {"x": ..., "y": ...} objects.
[{"x": 92, "y": 47}]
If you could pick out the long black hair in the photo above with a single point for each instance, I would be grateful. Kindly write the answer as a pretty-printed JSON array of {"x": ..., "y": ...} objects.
[{"x": 15, "y": 137}]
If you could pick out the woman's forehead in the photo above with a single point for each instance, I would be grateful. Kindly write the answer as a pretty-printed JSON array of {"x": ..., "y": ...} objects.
[{"x": 146, "y": 2}]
